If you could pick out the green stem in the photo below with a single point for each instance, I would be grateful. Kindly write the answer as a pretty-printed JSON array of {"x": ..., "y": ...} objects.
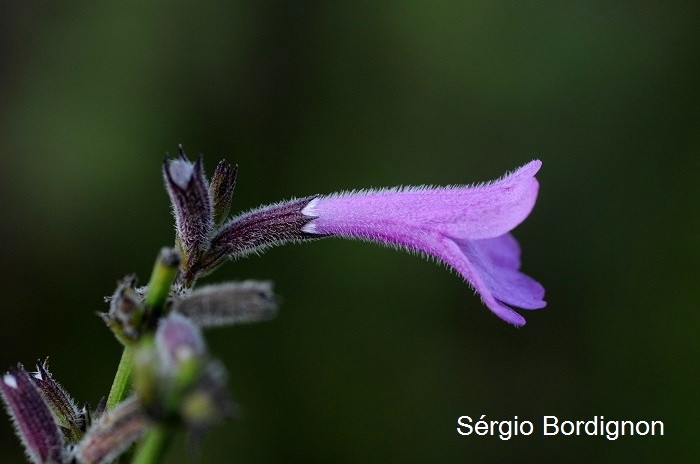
[
  {"x": 154, "y": 446},
  {"x": 122, "y": 379},
  {"x": 162, "y": 278}
]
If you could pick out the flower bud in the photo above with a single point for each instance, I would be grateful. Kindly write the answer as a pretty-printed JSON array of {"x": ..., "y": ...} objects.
[
  {"x": 62, "y": 406},
  {"x": 34, "y": 424},
  {"x": 175, "y": 379},
  {"x": 229, "y": 303},
  {"x": 126, "y": 311},
  {"x": 223, "y": 182},
  {"x": 168, "y": 365},
  {"x": 178, "y": 340},
  {"x": 114, "y": 433},
  {"x": 192, "y": 206}
]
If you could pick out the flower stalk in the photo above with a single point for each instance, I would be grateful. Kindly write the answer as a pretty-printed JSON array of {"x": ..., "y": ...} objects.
[
  {"x": 162, "y": 278},
  {"x": 122, "y": 378}
]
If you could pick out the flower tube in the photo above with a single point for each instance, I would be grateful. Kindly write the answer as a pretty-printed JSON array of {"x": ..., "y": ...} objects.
[{"x": 467, "y": 228}]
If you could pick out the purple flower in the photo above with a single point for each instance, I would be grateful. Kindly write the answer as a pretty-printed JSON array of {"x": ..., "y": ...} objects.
[{"x": 466, "y": 228}]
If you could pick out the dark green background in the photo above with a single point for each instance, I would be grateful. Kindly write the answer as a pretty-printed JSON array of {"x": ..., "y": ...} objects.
[{"x": 375, "y": 353}]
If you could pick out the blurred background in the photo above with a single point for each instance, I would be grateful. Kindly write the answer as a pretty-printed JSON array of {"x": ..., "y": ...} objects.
[{"x": 375, "y": 353}]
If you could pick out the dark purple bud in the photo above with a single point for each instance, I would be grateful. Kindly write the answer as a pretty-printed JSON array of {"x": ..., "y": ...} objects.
[
  {"x": 62, "y": 406},
  {"x": 229, "y": 303},
  {"x": 223, "y": 182},
  {"x": 114, "y": 433},
  {"x": 34, "y": 423},
  {"x": 178, "y": 340},
  {"x": 255, "y": 231},
  {"x": 192, "y": 206}
]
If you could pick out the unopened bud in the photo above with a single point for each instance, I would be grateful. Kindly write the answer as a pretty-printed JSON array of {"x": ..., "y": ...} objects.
[
  {"x": 126, "y": 311},
  {"x": 114, "y": 433},
  {"x": 178, "y": 340},
  {"x": 223, "y": 182},
  {"x": 229, "y": 303},
  {"x": 34, "y": 424},
  {"x": 192, "y": 206},
  {"x": 62, "y": 406}
]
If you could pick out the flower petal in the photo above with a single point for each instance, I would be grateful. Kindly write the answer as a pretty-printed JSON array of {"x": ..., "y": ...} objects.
[
  {"x": 472, "y": 213},
  {"x": 492, "y": 266}
]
